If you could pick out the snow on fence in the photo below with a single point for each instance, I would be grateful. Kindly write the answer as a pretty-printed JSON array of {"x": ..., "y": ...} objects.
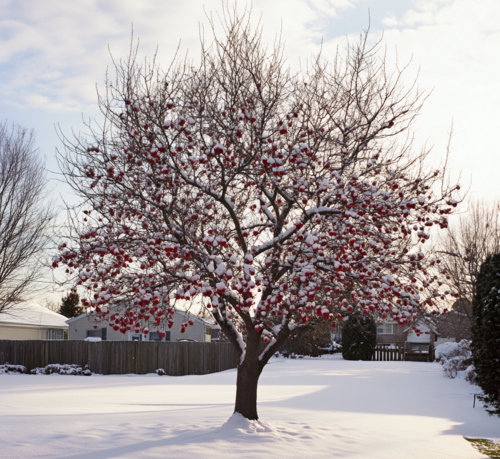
[
  {"x": 122, "y": 357},
  {"x": 399, "y": 352}
]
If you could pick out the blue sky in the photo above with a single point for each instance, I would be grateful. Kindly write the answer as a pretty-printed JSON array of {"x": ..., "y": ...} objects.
[{"x": 53, "y": 53}]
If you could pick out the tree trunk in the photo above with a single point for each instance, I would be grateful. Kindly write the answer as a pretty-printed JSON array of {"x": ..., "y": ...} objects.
[
  {"x": 246, "y": 390},
  {"x": 246, "y": 382}
]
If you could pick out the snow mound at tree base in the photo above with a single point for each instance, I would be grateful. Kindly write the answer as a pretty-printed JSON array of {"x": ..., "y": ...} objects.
[
  {"x": 239, "y": 426},
  {"x": 239, "y": 423}
]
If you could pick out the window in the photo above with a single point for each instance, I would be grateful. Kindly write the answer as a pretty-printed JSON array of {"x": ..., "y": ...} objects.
[
  {"x": 99, "y": 333},
  {"x": 94, "y": 333},
  {"x": 385, "y": 329},
  {"x": 215, "y": 334},
  {"x": 155, "y": 336},
  {"x": 54, "y": 333}
]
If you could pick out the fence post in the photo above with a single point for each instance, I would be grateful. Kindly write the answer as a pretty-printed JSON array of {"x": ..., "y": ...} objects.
[{"x": 430, "y": 351}]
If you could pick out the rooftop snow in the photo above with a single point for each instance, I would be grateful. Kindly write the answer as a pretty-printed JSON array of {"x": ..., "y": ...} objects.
[{"x": 32, "y": 314}]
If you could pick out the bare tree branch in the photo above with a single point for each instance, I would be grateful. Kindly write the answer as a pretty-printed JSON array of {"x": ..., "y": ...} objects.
[{"x": 465, "y": 247}]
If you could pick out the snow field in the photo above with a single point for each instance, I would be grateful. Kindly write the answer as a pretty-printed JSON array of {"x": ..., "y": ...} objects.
[{"x": 309, "y": 408}]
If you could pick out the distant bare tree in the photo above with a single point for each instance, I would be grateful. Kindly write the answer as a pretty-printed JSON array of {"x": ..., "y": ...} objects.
[
  {"x": 52, "y": 304},
  {"x": 25, "y": 214},
  {"x": 464, "y": 248},
  {"x": 456, "y": 323}
]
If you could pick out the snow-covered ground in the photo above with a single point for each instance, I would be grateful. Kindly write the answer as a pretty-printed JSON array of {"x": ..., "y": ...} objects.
[{"x": 310, "y": 408}]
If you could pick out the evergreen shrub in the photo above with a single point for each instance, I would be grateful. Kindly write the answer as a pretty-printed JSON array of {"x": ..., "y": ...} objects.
[
  {"x": 359, "y": 337},
  {"x": 486, "y": 333}
]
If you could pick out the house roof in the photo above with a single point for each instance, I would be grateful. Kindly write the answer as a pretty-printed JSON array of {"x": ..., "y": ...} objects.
[
  {"x": 195, "y": 318},
  {"x": 68, "y": 321},
  {"x": 33, "y": 315},
  {"x": 427, "y": 322},
  {"x": 179, "y": 311}
]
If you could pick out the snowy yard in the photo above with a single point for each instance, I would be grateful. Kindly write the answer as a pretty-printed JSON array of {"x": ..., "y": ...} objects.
[{"x": 310, "y": 408}]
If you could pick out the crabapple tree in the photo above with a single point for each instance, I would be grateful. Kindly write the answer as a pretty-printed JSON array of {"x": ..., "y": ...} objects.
[{"x": 270, "y": 198}]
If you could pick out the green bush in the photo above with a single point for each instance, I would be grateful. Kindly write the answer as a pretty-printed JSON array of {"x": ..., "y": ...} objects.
[
  {"x": 486, "y": 332},
  {"x": 359, "y": 337}
]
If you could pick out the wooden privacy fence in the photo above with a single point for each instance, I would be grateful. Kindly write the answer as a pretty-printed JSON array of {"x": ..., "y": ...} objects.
[
  {"x": 122, "y": 357},
  {"x": 399, "y": 352}
]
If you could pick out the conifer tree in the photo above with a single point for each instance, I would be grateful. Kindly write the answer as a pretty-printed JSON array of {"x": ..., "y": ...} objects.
[
  {"x": 486, "y": 332},
  {"x": 359, "y": 337},
  {"x": 71, "y": 306}
]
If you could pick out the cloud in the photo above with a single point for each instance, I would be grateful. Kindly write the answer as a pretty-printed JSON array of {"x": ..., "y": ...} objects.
[
  {"x": 49, "y": 46},
  {"x": 391, "y": 20},
  {"x": 455, "y": 44}
]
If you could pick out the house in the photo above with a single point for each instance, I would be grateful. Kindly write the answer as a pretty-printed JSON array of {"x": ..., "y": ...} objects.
[
  {"x": 31, "y": 321},
  {"x": 421, "y": 335},
  {"x": 391, "y": 333},
  {"x": 455, "y": 325},
  {"x": 81, "y": 328},
  {"x": 418, "y": 337}
]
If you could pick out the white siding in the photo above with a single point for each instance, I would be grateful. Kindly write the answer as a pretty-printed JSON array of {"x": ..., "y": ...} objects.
[
  {"x": 78, "y": 330},
  {"x": 423, "y": 338},
  {"x": 25, "y": 333},
  {"x": 196, "y": 331}
]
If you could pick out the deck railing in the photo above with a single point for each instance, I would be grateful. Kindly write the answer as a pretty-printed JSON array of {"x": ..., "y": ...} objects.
[{"x": 400, "y": 352}]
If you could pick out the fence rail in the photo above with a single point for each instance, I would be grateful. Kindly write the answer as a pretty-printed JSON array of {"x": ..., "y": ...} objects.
[{"x": 122, "y": 357}]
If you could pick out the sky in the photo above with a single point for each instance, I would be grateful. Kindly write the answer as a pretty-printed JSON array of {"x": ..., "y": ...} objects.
[{"x": 54, "y": 54}]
